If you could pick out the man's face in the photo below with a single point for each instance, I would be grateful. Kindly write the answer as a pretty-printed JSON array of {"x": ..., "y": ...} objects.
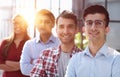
[
  {"x": 95, "y": 27},
  {"x": 44, "y": 24},
  {"x": 66, "y": 30}
]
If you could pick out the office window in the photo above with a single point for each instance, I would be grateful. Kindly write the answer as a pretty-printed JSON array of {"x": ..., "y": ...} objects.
[{"x": 8, "y": 8}]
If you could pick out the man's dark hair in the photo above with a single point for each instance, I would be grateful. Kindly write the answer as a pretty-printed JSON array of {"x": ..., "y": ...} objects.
[
  {"x": 67, "y": 14},
  {"x": 97, "y": 9}
]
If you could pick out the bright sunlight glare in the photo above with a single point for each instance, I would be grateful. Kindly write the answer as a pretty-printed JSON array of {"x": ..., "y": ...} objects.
[
  {"x": 29, "y": 12},
  {"x": 29, "y": 15}
]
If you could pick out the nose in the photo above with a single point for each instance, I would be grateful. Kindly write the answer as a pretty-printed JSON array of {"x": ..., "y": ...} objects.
[
  {"x": 65, "y": 30},
  {"x": 16, "y": 25},
  {"x": 93, "y": 27},
  {"x": 42, "y": 23}
]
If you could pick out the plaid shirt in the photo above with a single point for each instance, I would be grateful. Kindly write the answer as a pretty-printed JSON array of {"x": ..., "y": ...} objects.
[{"x": 47, "y": 64}]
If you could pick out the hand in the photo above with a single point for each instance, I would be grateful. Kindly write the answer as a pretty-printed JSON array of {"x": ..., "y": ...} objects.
[{"x": 33, "y": 61}]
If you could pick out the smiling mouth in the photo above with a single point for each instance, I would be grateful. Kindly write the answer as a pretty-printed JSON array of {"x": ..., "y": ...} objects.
[
  {"x": 18, "y": 29},
  {"x": 94, "y": 34}
]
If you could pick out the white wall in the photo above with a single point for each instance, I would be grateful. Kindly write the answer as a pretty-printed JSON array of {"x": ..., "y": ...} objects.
[{"x": 113, "y": 38}]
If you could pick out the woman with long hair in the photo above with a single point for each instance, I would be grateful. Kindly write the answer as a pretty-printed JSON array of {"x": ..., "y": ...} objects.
[{"x": 11, "y": 48}]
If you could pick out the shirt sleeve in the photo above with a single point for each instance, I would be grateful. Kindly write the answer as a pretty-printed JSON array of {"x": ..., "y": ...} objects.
[
  {"x": 38, "y": 70},
  {"x": 2, "y": 44},
  {"x": 116, "y": 67},
  {"x": 71, "y": 68},
  {"x": 25, "y": 61}
]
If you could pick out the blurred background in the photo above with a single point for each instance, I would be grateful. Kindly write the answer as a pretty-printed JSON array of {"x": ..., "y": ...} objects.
[{"x": 8, "y": 8}]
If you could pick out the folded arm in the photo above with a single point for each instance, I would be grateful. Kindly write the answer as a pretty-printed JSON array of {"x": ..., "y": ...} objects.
[{"x": 10, "y": 66}]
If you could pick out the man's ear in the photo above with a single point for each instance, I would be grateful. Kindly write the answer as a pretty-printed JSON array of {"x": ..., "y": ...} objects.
[
  {"x": 107, "y": 29},
  {"x": 56, "y": 29},
  {"x": 83, "y": 29},
  {"x": 77, "y": 29}
]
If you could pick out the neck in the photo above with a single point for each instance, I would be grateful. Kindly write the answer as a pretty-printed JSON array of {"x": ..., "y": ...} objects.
[
  {"x": 67, "y": 48},
  {"x": 19, "y": 37},
  {"x": 94, "y": 47},
  {"x": 44, "y": 38}
]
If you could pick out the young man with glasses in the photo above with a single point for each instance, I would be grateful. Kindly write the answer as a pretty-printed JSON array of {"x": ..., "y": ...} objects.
[{"x": 98, "y": 59}]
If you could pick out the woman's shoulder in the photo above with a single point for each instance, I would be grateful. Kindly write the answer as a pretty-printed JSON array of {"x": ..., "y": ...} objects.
[{"x": 4, "y": 41}]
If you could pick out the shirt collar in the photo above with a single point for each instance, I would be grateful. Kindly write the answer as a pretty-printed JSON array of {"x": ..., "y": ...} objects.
[
  {"x": 75, "y": 49},
  {"x": 51, "y": 39},
  {"x": 102, "y": 51}
]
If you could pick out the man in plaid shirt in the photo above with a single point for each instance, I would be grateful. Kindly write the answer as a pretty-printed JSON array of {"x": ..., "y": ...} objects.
[{"x": 53, "y": 61}]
